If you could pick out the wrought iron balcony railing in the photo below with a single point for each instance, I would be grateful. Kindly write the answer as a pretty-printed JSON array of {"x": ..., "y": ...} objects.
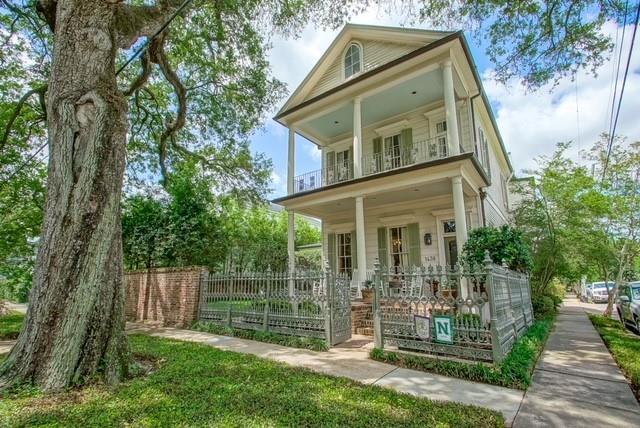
[{"x": 390, "y": 158}]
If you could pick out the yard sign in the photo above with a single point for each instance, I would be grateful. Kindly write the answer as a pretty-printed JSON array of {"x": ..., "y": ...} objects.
[
  {"x": 423, "y": 326},
  {"x": 444, "y": 329}
]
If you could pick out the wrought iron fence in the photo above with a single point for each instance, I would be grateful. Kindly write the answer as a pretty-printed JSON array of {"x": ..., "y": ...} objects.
[
  {"x": 303, "y": 303},
  {"x": 468, "y": 313}
]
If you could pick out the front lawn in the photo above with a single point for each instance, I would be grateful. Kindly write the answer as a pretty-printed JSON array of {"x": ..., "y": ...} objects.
[
  {"x": 513, "y": 372},
  {"x": 10, "y": 325},
  {"x": 623, "y": 345},
  {"x": 197, "y": 385}
]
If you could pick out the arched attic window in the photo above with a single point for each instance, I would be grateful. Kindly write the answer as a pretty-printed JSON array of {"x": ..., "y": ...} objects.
[{"x": 352, "y": 60}]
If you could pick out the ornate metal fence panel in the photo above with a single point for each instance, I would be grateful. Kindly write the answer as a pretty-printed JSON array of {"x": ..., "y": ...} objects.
[
  {"x": 340, "y": 309},
  {"x": 304, "y": 303},
  {"x": 468, "y": 313}
]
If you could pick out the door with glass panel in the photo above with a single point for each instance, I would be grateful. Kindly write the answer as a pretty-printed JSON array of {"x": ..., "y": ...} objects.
[
  {"x": 399, "y": 248},
  {"x": 345, "y": 262},
  {"x": 438, "y": 144},
  {"x": 392, "y": 157}
]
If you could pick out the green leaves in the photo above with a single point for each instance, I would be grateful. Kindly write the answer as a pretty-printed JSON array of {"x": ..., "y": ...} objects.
[{"x": 505, "y": 244}]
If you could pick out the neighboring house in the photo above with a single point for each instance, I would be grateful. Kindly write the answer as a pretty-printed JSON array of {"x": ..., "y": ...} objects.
[{"x": 411, "y": 155}]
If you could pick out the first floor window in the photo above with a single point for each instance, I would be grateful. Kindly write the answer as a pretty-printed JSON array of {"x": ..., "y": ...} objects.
[
  {"x": 399, "y": 248},
  {"x": 345, "y": 263}
]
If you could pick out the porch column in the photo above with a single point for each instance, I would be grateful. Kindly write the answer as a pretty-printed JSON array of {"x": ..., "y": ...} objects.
[
  {"x": 453, "y": 139},
  {"x": 361, "y": 243},
  {"x": 291, "y": 166},
  {"x": 461, "y": 223},
  {"x": 459, "y": 212},
  {"x": 291, "y": 248},
  {"x": 357, "y": 138}
]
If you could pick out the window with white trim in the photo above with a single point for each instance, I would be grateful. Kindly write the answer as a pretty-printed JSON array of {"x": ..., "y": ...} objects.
[
  {"x": 483, "y": 156},
  {"x": 352, "y": 60},
  {"x": 438, "y": 147},
  {"x": 398, "y": 248},
  {"x": 345, "y": 262}
]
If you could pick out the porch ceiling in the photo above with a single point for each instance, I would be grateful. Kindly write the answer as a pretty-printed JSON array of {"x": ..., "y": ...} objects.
[
  {"x": 346, "y": 207},
  {"x": 387, "y": 103}
]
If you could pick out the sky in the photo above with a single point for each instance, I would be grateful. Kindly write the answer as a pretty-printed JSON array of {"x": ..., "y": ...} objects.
[{"x": 531, "y": 123}]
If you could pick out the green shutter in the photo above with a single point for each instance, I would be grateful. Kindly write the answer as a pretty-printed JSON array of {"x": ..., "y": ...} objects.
[
  {"x": 406, "y": 143},
  {"x": 377, "y": 153},
  {"x": 331, "y": 251},
  {"x": 331, "y": 166},
  {"x": 383, "y": 256},
  {"x": 413, "y": 230},
  {"x": 354, "y": 250},
  {"x": 351, "y": 163}
]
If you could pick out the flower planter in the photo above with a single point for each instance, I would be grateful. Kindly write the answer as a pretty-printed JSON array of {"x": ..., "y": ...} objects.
[{"x": 367, "y": 295}]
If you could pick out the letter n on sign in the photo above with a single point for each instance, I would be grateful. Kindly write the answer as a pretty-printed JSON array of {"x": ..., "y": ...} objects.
[{"x": 444, "y": 329}]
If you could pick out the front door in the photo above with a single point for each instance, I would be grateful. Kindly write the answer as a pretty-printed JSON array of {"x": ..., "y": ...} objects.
[{"x": 450, "y": 250}]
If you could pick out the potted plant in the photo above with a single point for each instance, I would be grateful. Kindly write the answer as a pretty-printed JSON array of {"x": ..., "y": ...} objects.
[{"x": 367, "y": 292}]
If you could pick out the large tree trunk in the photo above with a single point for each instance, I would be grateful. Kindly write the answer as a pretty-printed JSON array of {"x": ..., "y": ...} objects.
[{"x": 75, "y": 322}]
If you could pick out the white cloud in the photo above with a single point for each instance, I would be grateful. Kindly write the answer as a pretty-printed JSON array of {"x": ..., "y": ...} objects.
[
  {"x": 278, "y": 184},
  {"x": 532, "y": 123}
]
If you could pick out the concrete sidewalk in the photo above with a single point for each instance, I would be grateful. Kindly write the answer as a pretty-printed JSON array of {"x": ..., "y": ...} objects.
[
  {"x": 576, "y": 382},
  {"x": 354, "y": 363}
]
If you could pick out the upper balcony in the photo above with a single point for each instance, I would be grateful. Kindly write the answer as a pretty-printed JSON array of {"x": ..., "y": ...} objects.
[
  {"x": 414, "y": 112},
  {"x": 394, "y": 157}
]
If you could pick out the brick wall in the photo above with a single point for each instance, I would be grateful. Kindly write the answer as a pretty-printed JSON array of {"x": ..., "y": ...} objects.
[{"x": 168, "y": 296}]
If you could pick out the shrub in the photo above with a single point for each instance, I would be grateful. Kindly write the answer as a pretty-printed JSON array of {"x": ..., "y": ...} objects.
[
  {"x": 544, "y": 305},
  {"x": 514, "y": 371},
  {"x": 504, "y": 244}
]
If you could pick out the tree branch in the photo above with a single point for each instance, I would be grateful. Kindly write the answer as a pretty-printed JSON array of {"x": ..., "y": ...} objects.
[
  {"x": 143, "y": 77},
  {"x": 133, "y": 22},
  {"x": 16, "y": 112}
]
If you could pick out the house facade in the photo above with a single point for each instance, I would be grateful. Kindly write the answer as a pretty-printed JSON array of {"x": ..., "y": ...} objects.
[{"x": 412, "y": 158}]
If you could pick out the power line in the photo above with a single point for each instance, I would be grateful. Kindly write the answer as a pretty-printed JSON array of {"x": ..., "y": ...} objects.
[
  {"x": 618, "y": 64},
  {"x": 624, "y": 81},
  {"x": 26, "y": 162}
]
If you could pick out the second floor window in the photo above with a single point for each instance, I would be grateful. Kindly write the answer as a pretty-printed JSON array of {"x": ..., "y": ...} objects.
[
  {"x": 352, "y": 60},
  {"x": 438, "y": 147}
]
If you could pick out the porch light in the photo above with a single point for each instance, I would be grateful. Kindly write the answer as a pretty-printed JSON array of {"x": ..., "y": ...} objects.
[
  {"x": 414, "y": 92},
  {"x": 336, "y": 122},
  {"x": 427, "y": 239}
]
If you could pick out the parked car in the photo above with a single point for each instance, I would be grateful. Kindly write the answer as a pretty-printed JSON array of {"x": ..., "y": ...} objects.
[
  {"x": 628, "y": 304},
  {"x": 598, "y": 292}
]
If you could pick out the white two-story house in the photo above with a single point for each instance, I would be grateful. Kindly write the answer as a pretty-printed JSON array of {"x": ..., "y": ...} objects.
[{"x": 412, "y": 158}]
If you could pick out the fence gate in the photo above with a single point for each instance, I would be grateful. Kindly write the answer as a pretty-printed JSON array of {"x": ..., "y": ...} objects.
[{"x": 339, "y": 309}]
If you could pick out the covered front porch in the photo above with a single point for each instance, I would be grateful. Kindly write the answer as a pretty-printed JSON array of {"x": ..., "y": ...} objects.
[{"x": 417, "y": 218}]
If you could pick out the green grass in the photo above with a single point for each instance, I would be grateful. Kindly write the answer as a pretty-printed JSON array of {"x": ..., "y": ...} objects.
[
  {"x": 312, "y": 343},
  {"x": 514, "y": 372},
  {"x": 10, "y": 325},
  {"x": 623, "y": 345},
  {"x": 197, "y": 385}
]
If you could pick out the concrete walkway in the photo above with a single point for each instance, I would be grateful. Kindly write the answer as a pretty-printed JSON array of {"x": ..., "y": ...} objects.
[
  {"x": 354, "y": 363},
  {"x": 576, "y": 382}
]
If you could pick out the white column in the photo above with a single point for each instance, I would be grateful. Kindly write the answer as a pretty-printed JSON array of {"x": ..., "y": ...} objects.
[
  {"x": 291, "y": 166},
  {"x": 361, "y": 243},
  {"x": 461, "y": 223},
  {"x": 460, "y": 214},
  {"x": 450, "y": 109},
  {"x": 291, "y": 240},
  {"x": 357, "y": 138}
]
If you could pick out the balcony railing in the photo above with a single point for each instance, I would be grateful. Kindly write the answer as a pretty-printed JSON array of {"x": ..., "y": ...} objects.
[
  {"x": 389, "y": 159},
  {"x": 342, "y": 171}
]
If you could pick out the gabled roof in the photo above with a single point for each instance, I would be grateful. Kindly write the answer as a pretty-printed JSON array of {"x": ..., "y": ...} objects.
[{"x": 406, "y": 36}]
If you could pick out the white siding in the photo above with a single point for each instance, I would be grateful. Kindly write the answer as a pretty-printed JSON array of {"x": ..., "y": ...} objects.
[{"x": 375, "y": 53}]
